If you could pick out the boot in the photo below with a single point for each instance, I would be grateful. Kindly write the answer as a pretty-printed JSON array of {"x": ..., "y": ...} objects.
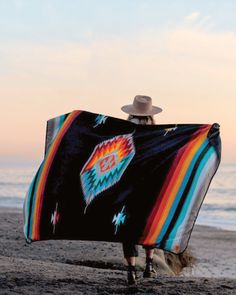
[
  {"x": 149, "y": 271},
  {"x": 131, "y": 275}
]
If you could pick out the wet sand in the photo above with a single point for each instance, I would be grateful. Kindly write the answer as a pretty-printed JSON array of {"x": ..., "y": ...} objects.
[{"x": 82, "y": 267}]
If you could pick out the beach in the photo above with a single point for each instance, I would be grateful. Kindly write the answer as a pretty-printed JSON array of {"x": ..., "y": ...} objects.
[{"x": 85, "y": 267}]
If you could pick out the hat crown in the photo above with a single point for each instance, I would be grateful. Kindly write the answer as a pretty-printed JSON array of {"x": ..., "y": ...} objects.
[
  {"x": 142, "y": 103},
  {"x": 141, "y": 106}
]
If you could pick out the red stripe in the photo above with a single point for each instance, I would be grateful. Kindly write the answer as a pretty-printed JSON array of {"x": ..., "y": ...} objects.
[
  {"x": 44, "y": 174},
  {"x": 171, "y": 178}
]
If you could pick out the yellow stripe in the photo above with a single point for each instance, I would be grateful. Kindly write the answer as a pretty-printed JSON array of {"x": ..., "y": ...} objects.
[
  {"x": 43, "y": 177},
  {"x": 176, "y": 187}
]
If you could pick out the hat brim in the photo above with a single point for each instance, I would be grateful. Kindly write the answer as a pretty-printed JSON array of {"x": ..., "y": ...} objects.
[{"x": 129, "y": 109}]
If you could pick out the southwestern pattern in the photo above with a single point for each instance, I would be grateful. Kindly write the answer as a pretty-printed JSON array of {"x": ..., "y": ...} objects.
[
  {"x": 106, "y": 165},
  {"x": 108, "y": 179}
]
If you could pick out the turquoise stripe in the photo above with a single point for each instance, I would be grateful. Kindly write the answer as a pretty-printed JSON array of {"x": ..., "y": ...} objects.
[
  {"x": 26, "y": 207},
  {"x": 34, "y": 199},
  {"x": 180, "y": 192},
  {"x": 61, "y": 121},
  {"x": 185, "y": 208},
  {"x": 57, "y": 128},
  {"x": 29, "y": 224}
]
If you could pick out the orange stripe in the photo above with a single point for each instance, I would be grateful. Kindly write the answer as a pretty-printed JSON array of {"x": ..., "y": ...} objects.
[
  {"x": 47, "y": 165},
  {"x": 175, "y": 165},
  {"x": 173, "y": 189},
  {"x": 174, "y": 185},
  {"x": 159, "y": 199}
]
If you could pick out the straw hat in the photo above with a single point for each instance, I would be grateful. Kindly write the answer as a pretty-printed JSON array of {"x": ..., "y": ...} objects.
[{"x": 142, "y": 106}]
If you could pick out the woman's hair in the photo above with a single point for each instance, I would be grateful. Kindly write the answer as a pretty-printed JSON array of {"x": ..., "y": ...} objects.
[{"x": 143, "y": 120}]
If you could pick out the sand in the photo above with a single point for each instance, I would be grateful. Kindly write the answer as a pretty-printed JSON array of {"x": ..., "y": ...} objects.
[{"x": 82, "y": 267}]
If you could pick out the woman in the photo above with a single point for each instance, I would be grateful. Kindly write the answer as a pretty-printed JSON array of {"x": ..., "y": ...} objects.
[{"x": 140, "y": 112}]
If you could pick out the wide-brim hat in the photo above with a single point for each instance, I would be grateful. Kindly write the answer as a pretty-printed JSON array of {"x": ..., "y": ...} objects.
[{"x": 142, "y": 106}]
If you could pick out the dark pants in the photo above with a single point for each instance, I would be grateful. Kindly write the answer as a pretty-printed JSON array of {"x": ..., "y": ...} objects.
[{"x": 131, "y": 250}]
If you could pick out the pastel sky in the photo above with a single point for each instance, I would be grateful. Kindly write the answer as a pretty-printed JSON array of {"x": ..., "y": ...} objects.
[{"x": 60, "y": 55}]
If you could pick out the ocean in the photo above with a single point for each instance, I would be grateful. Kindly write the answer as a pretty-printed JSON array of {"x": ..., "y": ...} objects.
[{"x": 218, "y": 208}]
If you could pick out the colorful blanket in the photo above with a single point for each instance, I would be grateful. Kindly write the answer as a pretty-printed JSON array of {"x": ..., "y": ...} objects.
[{"x": 108, "y": 179}]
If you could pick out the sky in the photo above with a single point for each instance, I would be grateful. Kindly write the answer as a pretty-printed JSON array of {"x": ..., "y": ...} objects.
[{"x": 58, "y": 55}]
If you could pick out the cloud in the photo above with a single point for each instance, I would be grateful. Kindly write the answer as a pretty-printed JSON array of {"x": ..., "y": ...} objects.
[
  {"x": 193, "y": 16},
  {"x": 198, "y": 21}
]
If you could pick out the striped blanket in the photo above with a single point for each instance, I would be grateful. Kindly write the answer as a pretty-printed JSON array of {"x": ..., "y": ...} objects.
[{"x": 108, "y": 179}]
